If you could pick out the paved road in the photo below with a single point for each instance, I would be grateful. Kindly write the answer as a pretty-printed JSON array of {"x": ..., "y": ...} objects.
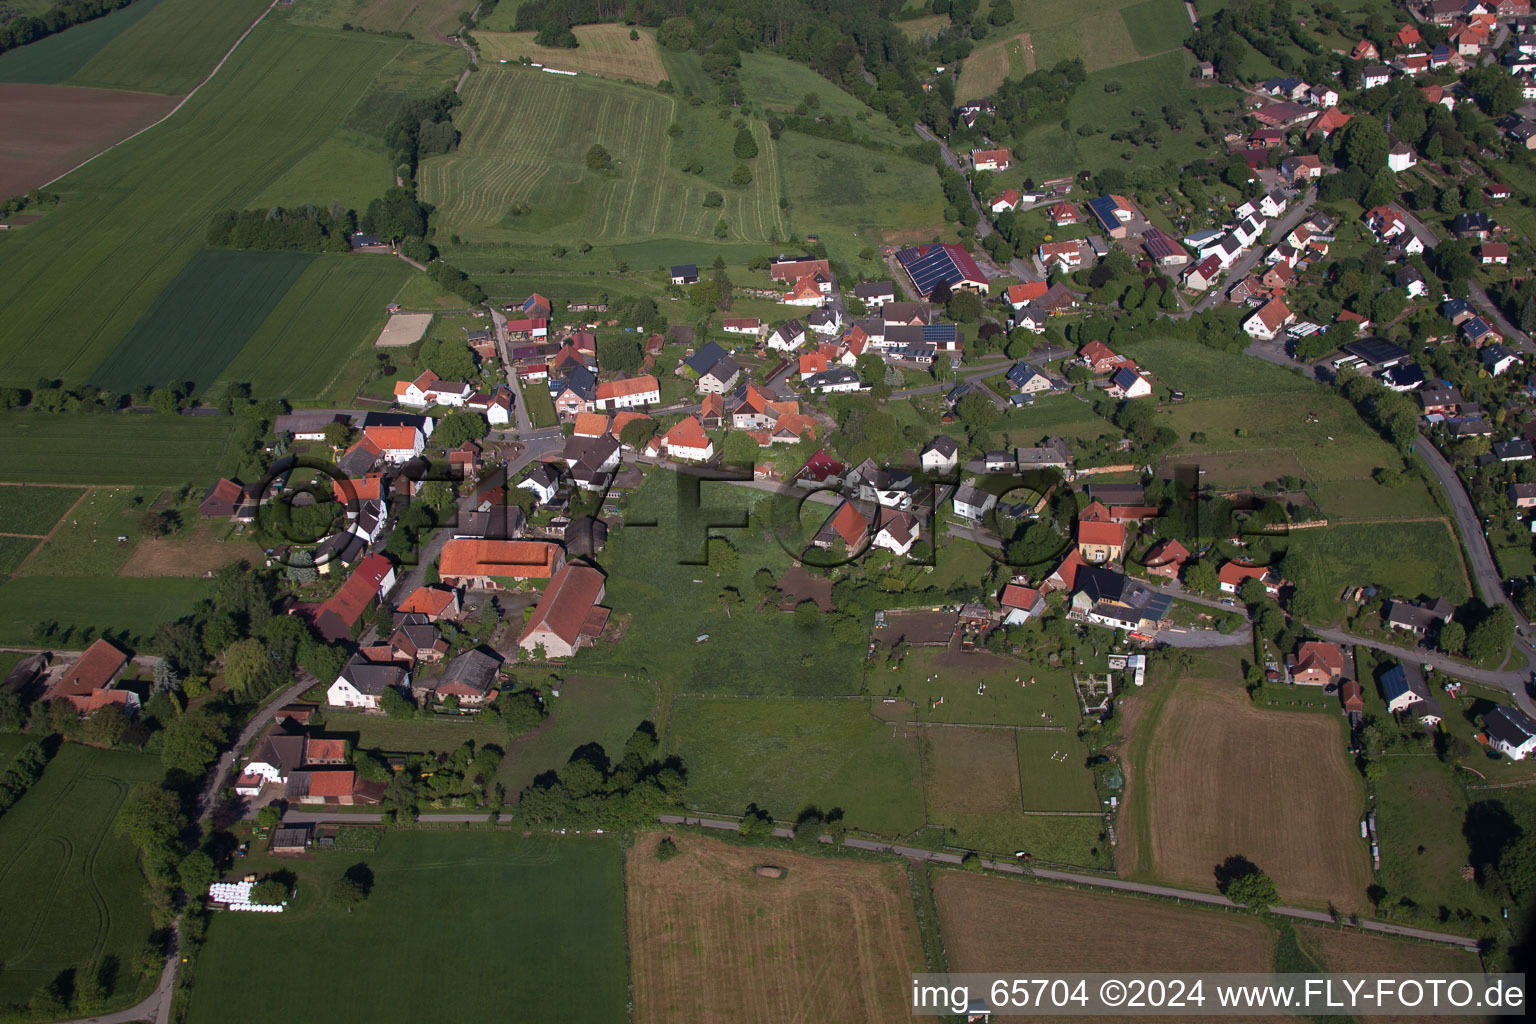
[
  {"x": 1095, "y": 881},
  {"x": 520, "y": 407}
]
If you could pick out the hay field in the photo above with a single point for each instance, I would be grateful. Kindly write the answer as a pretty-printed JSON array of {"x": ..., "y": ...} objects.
[
  {"x": 525, "y": 138},
  {"x": 992, "y": 923},
  {"x": 605, "y": 50},
  {"x": 970, "y": 771},
  {"x": 1222, "y": 777},
  {"x": 710, "y": 941},
  {"x": 194, "y": 552},
  {"x": 989, "y": 64}
]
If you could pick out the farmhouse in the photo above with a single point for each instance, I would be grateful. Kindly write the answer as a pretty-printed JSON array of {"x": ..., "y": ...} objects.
[
  {"x": 429, "y": 389},
  {"x": 792, "y": 268},
  {"x": 628, "y": 393},
  {"x": 875, "y": 294},
  {"x": 741, "y": 325},
  {"x": 1100, "y": 542},
  {"x": 1020, "y": 295},
  {"x": 308, "y": 426},
  {"x": 229, "y": 499},
  {"x": 1269, "y": 320},
  {"x": 685, "y": 273},
  {"x": 568, "y": 612},
  {"x": 471, "y": 677},
  {"x": 846, "y": 525},
  {"x": 1064, "y": 254},
  {"x": 491, "y": 564},
  {"x": 992, "y": 159},
  {"x": 87, "y": 683}
]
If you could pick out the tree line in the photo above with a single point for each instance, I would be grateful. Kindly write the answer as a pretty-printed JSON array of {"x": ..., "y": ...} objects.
[{"x": 25, "y": 28}]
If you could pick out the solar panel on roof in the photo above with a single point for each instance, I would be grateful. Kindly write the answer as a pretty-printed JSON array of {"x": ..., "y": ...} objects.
[{"x": 938, "y": 332}]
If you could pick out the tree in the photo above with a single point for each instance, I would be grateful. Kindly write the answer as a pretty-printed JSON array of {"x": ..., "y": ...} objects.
[
  {"x": 1491, "y": 637},
  {"x": 1241, "y": 881},
  {"x": 637, "y": 433},
  {"x": 598, "y": 158},
  {"x": 196, "y": 872},
  {"x": 247, "y": 668},
  {"x": 190, "y": 743},
  {"x": 741, "y": 176},
  {"x": 338, "y": 434},
  {"x": 756, "y": 824},
  {"x": 150, "y": 818},
  {"x": 976, "y": 411},
  {"x": 459, "y": 426},
  {"x": 713, "y": 199},
  {"x": 269, "y": 892},
  {"x": 269, "y": 817},
  {"x": 1453, "y": 637},
  {"x": 396, "y": 705},
  {"x": 745, "y": 147},
  {"x": 965, "y": 305},
  {"x": 722, "y": 229},
  {"x": 1364, "y": 145},
  {"x": 1201, "y": 578},
  {"x": 739, "y": 449}
]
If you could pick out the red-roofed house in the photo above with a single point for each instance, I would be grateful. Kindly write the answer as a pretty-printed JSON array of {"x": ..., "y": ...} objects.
[
  {"x": 1316, "y": 664},
  {"x": 1328, "y": 122},
  {"x": 1365, "y": 50},
  {"x": 590, "y": 424},
  {"x": 1009, "y": 200},
  {"x": 488, "y": 564},
  {"x": 629, "y": 393},
  {"x": 1065, "y": 575},
  {"x": 565, "y": 609},
  {"x": 433, "y": 602},
  {"x": 1100, "y": 542},
  {"x": 341, "y": 614},
  {"x": 87, "y": 684},
  {"x": 1065, "y": 254},
  {"x": 1493, "y": 252},
  {"x": 1020, "y": 604},
  {"x": 1407, "y": 38},
  {"x": 846, "y": 524},
  {"x": 1098, "y": 357},
  {"x": 1065, "y": 214},
  {"x": 686, "y": 440},
  {"x": 1232, "y": 574},
  {"x": 992, "y": 159},
  {"x": 224, "y": 499},
  {"x": 1167, "y": 559},
  {"x": 1021, "y": 295},
  {"x": 1269, "y": 321},
  {"x": 396, "y": 444},
  {"x": 812, "y": 363}
]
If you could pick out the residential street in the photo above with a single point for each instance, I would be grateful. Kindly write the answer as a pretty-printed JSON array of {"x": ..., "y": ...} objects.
[
  {"x": 1514, "y": 337},
  {"x": 1295, "y": 214},
  {"x": 519, "y": 407}
]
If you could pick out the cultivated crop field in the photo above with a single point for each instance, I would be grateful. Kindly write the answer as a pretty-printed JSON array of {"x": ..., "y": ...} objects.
[
  {"x": 124, "y": 605},
  {"x": 496, "y": 166},
  {"x": 605, "y": 50},
  {"x": 202, "y": 319},
  {"x": 70, "y": 888},
  {"x": 991, "y": 923},
  {"x": 533, "y": 923},
  {"x": 786, "y": 754},
  {"x": 34, "y": 510},
  {"x": 172, "y": 49},
  {"x": 55, "y": 58},
  {"x": 711, "y": 941},
  {"x": 334, "y": 308},
  {"x": 127, "y": 449},
  {"x": 74, "y": 283},
  {"x": 1272, "y": 786},
  {"x": 47, "y": 129}
]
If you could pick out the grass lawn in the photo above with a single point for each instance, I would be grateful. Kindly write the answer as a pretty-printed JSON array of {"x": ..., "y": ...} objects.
[
  {"x": 541, "y": 407},
  {"x": 492, "y": 918},
  {"x": 35, "y": 509},
  {"x": 71, "y": 889},
  {"x": 128, "y": 449},
  {"x": 86, "y": 543},
  {"x": 647, "y": 195},
  {"x": 346, "y": 168},
  {"x": 1203, "y": 372},
  {"x": 1406, "y": 558},
  {"x": 332, "y": 312},
  {"x": 1156, "y": 25},
  {"x": 653, "y": 576},
  {"x": 172, "y": 49},
  {"x": 202, "y": 319},
  {"x": 1420, "y": 811},
  {"x": 784, "y": 755},
  {"x": 55, "y": 58},
  {"x": 75, "y": 283},
  {"x": 130, "y": 605},
  {"x": 838, "y": 191},
  {"x": 956, "y": 676},
  {"x": 1366, "y": 499},
  {"x": 590, "y": 709},
  {"x": 1053, "y": 772},
  {"x": 781, "y": 84},
  {"x": 1053, "y": 839},
  {"x": 388, "y": 736}
]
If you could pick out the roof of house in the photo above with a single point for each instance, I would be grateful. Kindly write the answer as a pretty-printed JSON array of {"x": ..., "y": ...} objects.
[
  {"x": 687, "y": 433},
  {"x": 1096, "y": 352},
  {"x": 566, "y": 602},
  {"x": 1159, "y": 246},
  {"x": 473, "y": 671},
  {"x": 707, "y": 356},
  {"x": 511, "y": 558},
  {"x": 370, "y": 677},
  {"x": 1273, "y": 314},
  {"x": 627, "y": 387},
  {"x": 1125, "y": 378},
  {"x": 1320, "y": 655},
  {"x": 1016, "y": 595},
  {"x": 1099, "y": 532},
  {"x": 1234, "y": 573},
  {"x": 932, "y": 265},
  {"x": 93, "y": 670},
  {"x": 1099, "y": 584},
  {"x": 847, "y": 523},
  {"x": 1028, "y": 292},
  {"x": 428, "y": 601},
  {"x": 1167, "y": 551},
  {"x": 1509, "y": 725},
  {"x": 392, "y": 438},
  {"x": 360, "y": 589}
]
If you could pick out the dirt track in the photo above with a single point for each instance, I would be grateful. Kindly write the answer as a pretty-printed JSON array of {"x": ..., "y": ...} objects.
[{"x": 47, "y": 129}]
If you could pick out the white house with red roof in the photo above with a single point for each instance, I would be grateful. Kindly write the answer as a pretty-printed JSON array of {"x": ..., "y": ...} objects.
[
  {"x": 992, "y": 159},
  {"x": 686, "y": 440},
  {"x": 1009, "y": 200},
  {"x": 1269, "y": 321},
  {"x": 429, "y": 389},
  {"x": 628, "y": 393}
]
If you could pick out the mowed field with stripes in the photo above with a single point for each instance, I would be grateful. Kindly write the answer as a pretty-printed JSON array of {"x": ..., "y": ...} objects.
[{"x": 525, "y": 139}]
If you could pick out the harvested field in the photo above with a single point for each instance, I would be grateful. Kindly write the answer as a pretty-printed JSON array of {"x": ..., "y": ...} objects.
[
  {"x": 1273, "y": 786},
  {"x": 196, "y": 553},
  {"x": 711, "y": 941},
  {"x": 970, "y": 771},
  {"x": 986, "y": 68},
  {"x": 47, "y": 129},
  {"x": 404, "y": 329},
  {"x": 1352, "y": 952},
  {"x": 605, "y": 50},
  {"x": 991, "y": 923}
]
